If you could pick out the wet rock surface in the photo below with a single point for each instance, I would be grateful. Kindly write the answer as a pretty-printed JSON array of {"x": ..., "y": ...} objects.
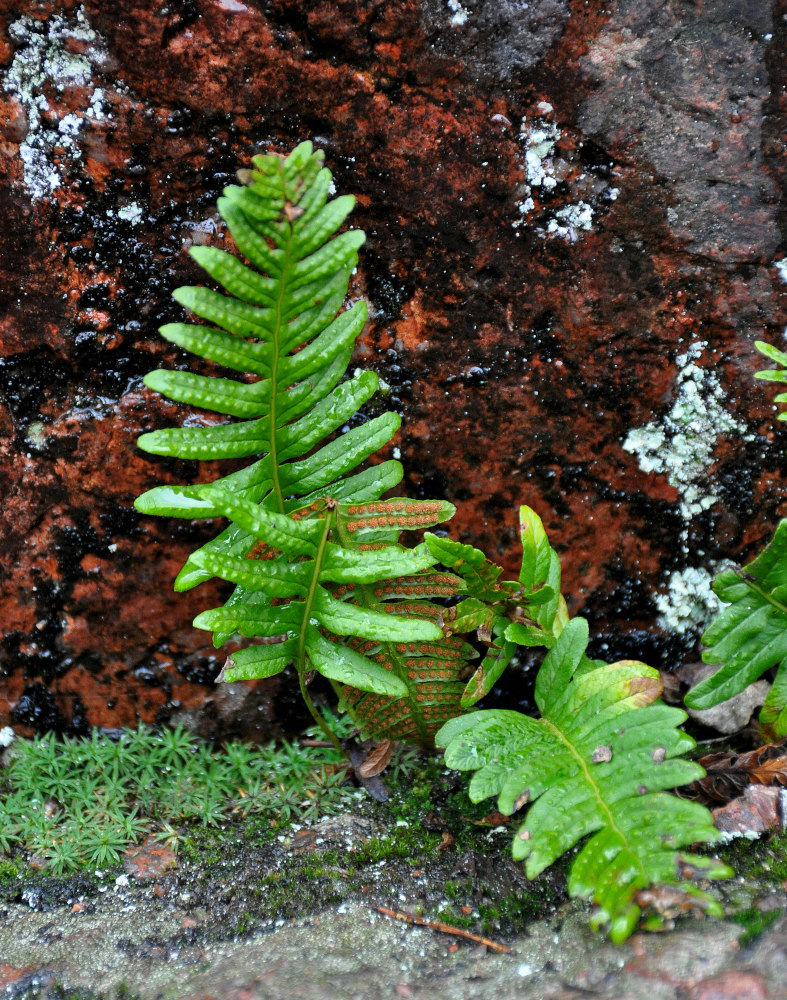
[{"x": 573, "y": 226}]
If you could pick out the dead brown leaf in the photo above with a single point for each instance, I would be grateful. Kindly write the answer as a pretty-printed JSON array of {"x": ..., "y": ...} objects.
[
  {"x": 728, "y": 774},
  {"x": 669, "y": 902},
  {"x": 377, "y": 760},
  {"x": 756, "y": 811}
]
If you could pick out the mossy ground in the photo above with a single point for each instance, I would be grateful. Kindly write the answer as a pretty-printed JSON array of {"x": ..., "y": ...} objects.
[{"x": 428, "y": 850}]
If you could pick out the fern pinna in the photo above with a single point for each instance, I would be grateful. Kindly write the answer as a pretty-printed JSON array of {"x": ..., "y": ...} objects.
[
  {"x": 749, "y": 635},
  {"x": 310, "y": 546},
  {"x": 595, "y": 763}
]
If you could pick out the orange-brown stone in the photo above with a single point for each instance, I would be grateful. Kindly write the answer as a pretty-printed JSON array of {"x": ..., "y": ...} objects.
[{"x": 556, "y": 212}]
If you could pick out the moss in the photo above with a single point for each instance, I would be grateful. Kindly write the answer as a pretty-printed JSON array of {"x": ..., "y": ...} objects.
[
  {"x": 9, "y": 871},
  {"x": 755, "y": 922},
  {"x": 761, "y": 861}
]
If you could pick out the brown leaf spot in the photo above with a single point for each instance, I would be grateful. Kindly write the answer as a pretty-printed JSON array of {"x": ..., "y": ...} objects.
[
  {"x": 602, "y": 754},
  {"x": 643, "y": 690},
  {"x": 523, "y": 799},
  {"x": 524, "y": 835},
  {"x": 658, "y": 755},
  {"x": 642, "y": 789}
]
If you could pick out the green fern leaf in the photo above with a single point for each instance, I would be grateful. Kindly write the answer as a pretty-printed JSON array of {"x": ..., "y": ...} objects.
[
  {"x": 595, "y": 764},
  {"x": 773, "y": 374},
  {"x": 295, "y": 561},
  {"x": 279, "y": 319},
  {"x": 749, "y": 636},
  {"x": 505, "y": 613}
]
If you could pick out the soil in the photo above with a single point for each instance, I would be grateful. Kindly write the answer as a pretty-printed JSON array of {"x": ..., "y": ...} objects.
[{"x": 246, "y": 911}]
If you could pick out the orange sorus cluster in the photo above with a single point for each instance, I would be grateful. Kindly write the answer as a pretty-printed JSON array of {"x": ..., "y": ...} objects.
[
  {"x": 299, "y": 515},
  {"x": 261, "y": 550},
  {"x": 448, "y": 647},
  {"x": 432, "y": 585},
  {"x": 393, "y": 513}
]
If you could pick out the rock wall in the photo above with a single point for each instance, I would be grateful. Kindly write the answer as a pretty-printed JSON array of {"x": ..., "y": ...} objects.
[{"x": 574, "y": 237}]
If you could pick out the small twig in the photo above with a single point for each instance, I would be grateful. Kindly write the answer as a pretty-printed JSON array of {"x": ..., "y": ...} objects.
[{"x": 437, "y": 925}]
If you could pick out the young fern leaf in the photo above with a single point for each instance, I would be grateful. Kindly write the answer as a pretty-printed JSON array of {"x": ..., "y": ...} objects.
[
  {"x": 749, "y": 636},
  {"x": 505, "y": 613},
  {"x": 595, "y": 764}
]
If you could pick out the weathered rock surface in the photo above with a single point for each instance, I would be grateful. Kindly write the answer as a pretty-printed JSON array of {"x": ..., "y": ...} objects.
[
  {"x": 573, "y": 228},
  {"x": 155, "y": 948}
]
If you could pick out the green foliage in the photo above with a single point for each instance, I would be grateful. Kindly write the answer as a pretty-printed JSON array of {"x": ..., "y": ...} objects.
[
  {"x": 596, "y": 763},
  {"x": 749, "y": 636},
  {"x": 312, "y": 551},
  {"x": 81, "y": 803},
  {"x": 323, "y": 581},
  {"x": 531, "y": 611},
  {"x": 773, "y": 374}
]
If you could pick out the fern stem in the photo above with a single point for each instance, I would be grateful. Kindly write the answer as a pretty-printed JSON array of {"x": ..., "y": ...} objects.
[
  {"x": 300, "y": 663},
  {"x": 315, "y": 714}
]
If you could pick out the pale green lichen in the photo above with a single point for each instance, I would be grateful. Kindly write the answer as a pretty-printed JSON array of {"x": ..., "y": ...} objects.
[
  {"x": 680, "y": 445},
  {"x": 43, "y": 63},
  {"x": 689, "y": 602}
]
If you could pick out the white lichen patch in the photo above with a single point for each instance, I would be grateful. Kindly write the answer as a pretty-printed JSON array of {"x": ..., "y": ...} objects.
[
  {"x": 689, "y": 602},
  {"x": 459, "y": 14},
  {"x": 539, "y": 142},
  {"x": 538, "y": 139},
  {"x": 680, "y": 445},
  {"x": 132, "y": 213},
  {"x": 44, "y": 64},
  {"x": 781, "y": 267},
  {"x": 568, "y": 222},
  {"x": 544, "y": 170}
]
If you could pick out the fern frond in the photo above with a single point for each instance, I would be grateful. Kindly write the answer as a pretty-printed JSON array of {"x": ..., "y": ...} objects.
[
  {"x": 278, "y": 318},
  {"x": 595, "y": 764},
  {"x": 505, "y": 613},
  {"x": 774, "y": 374},
  {"x": 749, "y": 636},
  {"x": 314, "y": 575}
]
